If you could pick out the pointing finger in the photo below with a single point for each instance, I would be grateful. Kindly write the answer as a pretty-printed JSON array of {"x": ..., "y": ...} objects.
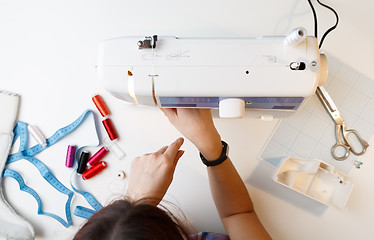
[{"x": 172, "y": 150}]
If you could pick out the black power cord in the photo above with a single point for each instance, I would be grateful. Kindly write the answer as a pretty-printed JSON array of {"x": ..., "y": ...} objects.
[{"x": 315, "y": 21}]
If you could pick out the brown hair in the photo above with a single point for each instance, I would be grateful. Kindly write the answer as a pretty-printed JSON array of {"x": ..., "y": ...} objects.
[{"x": 127, "y": 220}]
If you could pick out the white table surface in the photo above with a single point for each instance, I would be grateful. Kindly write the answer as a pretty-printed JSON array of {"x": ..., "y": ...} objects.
[{"x": 48, "y": 53}]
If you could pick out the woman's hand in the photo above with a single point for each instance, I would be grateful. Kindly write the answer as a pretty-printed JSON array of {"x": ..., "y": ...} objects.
[
  {"x": 197, "y": 125},
  {"x": 152, "y": 174}
]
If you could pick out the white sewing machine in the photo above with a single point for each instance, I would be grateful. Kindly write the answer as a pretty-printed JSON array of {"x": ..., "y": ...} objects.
[{"x": 271, "y": 74}]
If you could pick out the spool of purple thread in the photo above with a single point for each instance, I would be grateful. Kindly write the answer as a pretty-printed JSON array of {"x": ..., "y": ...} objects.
[{"x": 70, "y": 156}]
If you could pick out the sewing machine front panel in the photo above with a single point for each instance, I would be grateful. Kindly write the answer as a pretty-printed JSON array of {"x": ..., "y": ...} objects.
[{"x": 269, "y": 103}]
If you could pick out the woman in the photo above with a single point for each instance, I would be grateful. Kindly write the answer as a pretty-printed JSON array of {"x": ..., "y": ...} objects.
[{"x": 151, "y": 175}]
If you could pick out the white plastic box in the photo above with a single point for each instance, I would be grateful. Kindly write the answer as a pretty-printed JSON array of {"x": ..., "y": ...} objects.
[{"x": 314, "y": 179}]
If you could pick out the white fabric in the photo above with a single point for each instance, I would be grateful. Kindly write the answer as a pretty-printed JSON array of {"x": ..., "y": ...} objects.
[
  {"x": 9, "y": 109},
  {"x": 12, "y": 226}
]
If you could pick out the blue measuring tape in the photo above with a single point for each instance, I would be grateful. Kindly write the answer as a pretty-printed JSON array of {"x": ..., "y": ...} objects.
[
  {"x": 25, "y": 188},
  {"x": 28, "y": 154}
]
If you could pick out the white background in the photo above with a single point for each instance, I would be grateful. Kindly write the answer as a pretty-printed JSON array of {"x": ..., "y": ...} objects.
[{"x": 48, "y": 53}]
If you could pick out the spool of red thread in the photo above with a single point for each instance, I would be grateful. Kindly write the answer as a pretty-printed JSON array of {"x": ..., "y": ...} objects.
[
  {"x": 94, "y": 170},
  {"x": 100, "y": 105},
  {"x": 110, "y": 129},
  {"x": 97, "y": 157}
]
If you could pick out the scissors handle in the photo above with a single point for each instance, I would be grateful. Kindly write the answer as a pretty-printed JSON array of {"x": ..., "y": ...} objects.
[
  {"x": 340, "y": 144},
  {"x": 363, "y": 143},
  {"x": 335, "y": 148}
]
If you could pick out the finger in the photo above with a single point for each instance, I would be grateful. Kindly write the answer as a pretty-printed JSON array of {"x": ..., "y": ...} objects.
[
  {"x": 169, "y": 112},
  {"x": 172, "y": 150},
  {"x": 162, "y": 150},
  {"x": 179, "y": 155}
]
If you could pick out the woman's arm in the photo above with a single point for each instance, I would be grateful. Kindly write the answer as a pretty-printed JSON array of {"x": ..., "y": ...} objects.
[{"x": 228, "y": 190}]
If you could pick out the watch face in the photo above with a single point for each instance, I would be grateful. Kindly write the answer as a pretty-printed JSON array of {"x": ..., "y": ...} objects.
[{"x": 227, "y": 148}]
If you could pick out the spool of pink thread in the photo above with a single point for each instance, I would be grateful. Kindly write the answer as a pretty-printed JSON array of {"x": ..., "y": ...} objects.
[
  {"x": 97, "y": 156},
  {"x": 70, "y": 156}
]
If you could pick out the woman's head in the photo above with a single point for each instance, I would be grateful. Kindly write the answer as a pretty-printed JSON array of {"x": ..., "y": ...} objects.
[{"x": 126, "y": 220}]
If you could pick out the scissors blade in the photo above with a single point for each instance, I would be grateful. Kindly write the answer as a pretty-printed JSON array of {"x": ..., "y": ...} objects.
[{"x": 329, "y": 105}]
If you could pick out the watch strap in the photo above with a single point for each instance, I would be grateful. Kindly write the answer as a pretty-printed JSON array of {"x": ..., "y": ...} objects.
[{"x": 219, "y": 160}]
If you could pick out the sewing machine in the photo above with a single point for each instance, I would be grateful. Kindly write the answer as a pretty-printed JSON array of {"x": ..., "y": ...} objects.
[{"x": 271, "y": 75}]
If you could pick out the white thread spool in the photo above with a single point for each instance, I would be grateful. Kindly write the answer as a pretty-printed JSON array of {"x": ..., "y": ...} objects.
[
  {"x": 114, "y": 148},
  {"x": 37, "y": 135},
  {"x": 121, "y": 174},
  {"x": 296, "y": 36}
]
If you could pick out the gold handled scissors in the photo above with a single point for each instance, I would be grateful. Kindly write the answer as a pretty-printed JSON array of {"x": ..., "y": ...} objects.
[{"x": 341, "y": 132}]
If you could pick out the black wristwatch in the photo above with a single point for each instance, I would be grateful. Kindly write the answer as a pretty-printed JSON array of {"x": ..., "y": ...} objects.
[{"x": 221, "y": 159}]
